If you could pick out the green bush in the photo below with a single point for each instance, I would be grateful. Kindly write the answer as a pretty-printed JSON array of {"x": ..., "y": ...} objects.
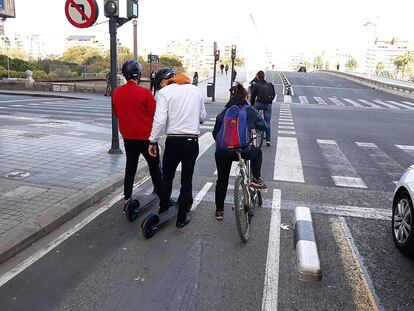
[
  {"x": 39, "y": 75},
  {"x": 3, "y": 72},
  {"x": 17, "y": 74}
]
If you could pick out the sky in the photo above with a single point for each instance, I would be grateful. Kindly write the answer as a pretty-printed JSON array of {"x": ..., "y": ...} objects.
[{"x": 285, "y": 26}]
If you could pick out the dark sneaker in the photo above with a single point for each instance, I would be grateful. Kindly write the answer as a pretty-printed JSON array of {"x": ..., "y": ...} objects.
[
  {"x": 181, "y": 224},
  {"x": 219, "y": 215},
  {"x": 258, "y": 184},
  {"x": 268, "y": 144}
]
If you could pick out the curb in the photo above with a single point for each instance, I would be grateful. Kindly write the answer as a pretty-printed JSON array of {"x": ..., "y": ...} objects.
[
  {"x": 47, "y": 95},
  {"x": 308, "y": 264},
  {"x": 28, "y": 232}
]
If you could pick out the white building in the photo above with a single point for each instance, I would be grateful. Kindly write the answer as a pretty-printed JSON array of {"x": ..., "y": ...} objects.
[{"x": 86, "y": 40}]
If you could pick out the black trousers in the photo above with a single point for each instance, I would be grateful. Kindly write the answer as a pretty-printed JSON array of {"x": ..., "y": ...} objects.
[
  {"x": 223, "y": 164},
  {"x": 133, "y": 149},
  {"x": 184, "y": 150}
]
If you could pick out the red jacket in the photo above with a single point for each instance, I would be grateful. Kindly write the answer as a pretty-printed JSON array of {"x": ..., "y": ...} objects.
[{"x": 134, "y": 107}]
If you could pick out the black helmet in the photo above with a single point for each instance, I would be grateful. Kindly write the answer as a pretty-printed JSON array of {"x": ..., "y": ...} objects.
[
  {"x": 163, "y": 73},
  {"x": 131, "y": 69}
]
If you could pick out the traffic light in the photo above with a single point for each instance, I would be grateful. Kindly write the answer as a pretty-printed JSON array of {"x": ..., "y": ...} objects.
[
  {"x": 132, "y": 8},
  {"x": 111, "y": 8},
  {"x": 233, "y": 52},
  {"x": 217, "y": 55}
]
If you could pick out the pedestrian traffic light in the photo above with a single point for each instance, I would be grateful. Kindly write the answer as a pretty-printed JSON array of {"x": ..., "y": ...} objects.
[
  {"x": 132, "y": 8},
  {"x": 111, "y": 8},
  {"x": 233, "y": 52},
  {"x": 216, "y": 55}
]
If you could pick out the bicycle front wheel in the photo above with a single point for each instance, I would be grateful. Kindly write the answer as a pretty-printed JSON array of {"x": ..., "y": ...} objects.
[
  {"x": 241, "y": 209},
  {"x": 259, "y": 139}
]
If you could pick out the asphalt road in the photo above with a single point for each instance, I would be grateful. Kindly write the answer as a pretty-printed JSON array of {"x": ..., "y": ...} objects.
[{"x": 338, "y": 157}]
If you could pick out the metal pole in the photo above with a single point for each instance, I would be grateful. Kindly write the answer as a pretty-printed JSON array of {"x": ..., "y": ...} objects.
[
  {"x": 114, "y": 71},
  {"x": 232, "y": 72},
  {"x": 214, "y": 72},
  {"x": 150, "y": 64},
  {"x": 135, "y": 23}
]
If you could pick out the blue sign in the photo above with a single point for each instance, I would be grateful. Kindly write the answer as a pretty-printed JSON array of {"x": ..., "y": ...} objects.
[{"x": 1, "y": 4}]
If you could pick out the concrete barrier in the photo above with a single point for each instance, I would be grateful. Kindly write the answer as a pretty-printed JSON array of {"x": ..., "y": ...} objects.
[{"x": 308, "y": 264}]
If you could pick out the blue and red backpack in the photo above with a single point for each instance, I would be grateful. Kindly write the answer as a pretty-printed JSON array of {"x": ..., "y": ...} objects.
[{"x": 234, "y": 131}]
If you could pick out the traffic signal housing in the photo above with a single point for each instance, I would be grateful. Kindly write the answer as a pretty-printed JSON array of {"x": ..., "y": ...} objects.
[
  {"x": 132, "y": 8},
  {"x": 111, "y": 8},
  {"x": 217, "y": 55},
  {"x": 233, "y": 52}
]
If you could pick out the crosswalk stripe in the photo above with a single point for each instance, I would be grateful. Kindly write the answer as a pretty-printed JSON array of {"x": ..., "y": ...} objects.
[
  {"x": 287, "y": 132},
  {"x": 284, "y": 127},
  {"x": 303, "y": 100},
  {"x": 407, "y": 149},
  {"x": 369, "y": 103},
  {"x": 320, "y": 101},
  {"x": 287, "y": 99},
  {"x": 206, "y": 127},
  {"x": 71, "y": 105},
  {"x": 385, "y": 104},
  {"x": 336, "y": 101},
  {"x": 286, "y": 119},
  {"x": 213, "y": 119},
  {"x": 65, "y": 112},
  {"x": 400, "y": 105},
  {"x": 233, "y": 170},
  {"x": 352, "y": 102},
  {"x": 343, "y": 173},
  {"x": 209, "y": 122},
  {"x": 409, "y": 103},
  {"x": 205, "y": 141},
  {"x": 288, "y": 163},
  {"x": 285, "y": 123},
  {"x": 383, "y": 160}
]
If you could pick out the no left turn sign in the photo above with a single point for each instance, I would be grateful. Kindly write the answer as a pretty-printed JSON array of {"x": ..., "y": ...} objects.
[{"x": 81, "y": 13}]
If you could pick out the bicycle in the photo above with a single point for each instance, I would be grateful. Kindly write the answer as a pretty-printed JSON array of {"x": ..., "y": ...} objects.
[
  {"x": 258, "y": 136},
  {"x": 246, "y": 198}
]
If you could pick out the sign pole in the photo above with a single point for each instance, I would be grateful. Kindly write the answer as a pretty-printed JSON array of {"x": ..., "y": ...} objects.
[
  {"x": 114, "y": 71},
  {"x": 214, "y": 73},
  {"x": 135, "y": 22}
]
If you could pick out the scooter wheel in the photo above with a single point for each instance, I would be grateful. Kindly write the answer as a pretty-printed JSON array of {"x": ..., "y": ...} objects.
[
  {"x": 148, "y": 226},
  {"x": 132, "y": 210}
]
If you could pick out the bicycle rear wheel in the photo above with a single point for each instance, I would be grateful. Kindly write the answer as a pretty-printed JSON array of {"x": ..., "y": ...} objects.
[
  {"x": 241, "y": 209},
  {"x": 259, "y": 139}
]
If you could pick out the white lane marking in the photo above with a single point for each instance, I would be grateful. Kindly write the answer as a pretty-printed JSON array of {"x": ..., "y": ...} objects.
[
  {"x": 206, "y": 127},
  {"x": 286, "y": 119},
  {"x": 287, "y": 132},
  {"x": 343, "y": 173},
  {"x": 205, "y": 141},
  {"x": 64, "y": 236},
  {"x": 213, "y": 119},
  {"x": 209, "y": 122},
  {"x": 407, "y": 149},
  {"x": 287, "y": 99},
  {"x": 385, "y": 104},
  {"x": 409, "y": 103},
  {"x": 233, "y": 170},
  {"x": 271, "y": 282},
  {"x": 303, "y": 100},
  {"x": 285, "y": 123},
  {"x": 320, "y": 101},
  {"x": 353, "y": 211},
  {"x": 369, "y": 103},
  {"x": 68, "y": 106},
  {"x": 400, "y": 105},
  {"x": 336, "y": 101},
  {"x": 288, "y": 164},
  {"x": 17, "y": 106},
  {"x": 392, "y": 168},
  {"x": 284, "y": 127},
  {"x": 352, "y": 102},
  {"x": 200, "y": 195}
]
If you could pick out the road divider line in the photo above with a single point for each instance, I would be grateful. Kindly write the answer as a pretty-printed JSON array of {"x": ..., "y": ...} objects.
[
  {"x": 271, "y": 281},
  {"x": 63, "y": 237},
  {"x": 200, "y": 195},
  {"x": 307, "y": 258},
  {"x": 288, "y": 164},
  {"x": 357, "y": 275}
]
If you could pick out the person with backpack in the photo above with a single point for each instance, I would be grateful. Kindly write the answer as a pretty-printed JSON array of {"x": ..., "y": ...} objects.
[
  {"x": 180, "y": 109},
  {"x": 134, "y": 106},
  {"x": 233, "y": 126},
  {"x": 263, "y": 94}
]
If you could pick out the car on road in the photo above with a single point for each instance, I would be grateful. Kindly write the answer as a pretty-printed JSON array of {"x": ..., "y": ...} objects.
[{"x": 403, "y": 213}]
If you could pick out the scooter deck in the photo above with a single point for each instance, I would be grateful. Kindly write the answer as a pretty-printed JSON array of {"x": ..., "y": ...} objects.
[{"x": 166, "y": 216}]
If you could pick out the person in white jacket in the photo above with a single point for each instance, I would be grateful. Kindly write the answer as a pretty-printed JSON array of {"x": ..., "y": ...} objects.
[{"x": 180, "y": 110}]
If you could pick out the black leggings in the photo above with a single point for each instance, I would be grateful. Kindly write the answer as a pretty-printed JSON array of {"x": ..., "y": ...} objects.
[
  {"x": 134, "y": 148},
  {"x": 223, "y": 164}
]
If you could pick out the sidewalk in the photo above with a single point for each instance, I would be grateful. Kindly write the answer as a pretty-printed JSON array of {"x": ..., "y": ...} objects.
[{"x": 49, "y": 172}]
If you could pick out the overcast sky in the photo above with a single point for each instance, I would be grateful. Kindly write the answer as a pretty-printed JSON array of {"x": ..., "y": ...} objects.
[{"x": 294, "y": 25}]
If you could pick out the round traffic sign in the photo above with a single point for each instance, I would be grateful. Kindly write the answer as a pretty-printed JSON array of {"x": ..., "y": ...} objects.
[{"x": 81, "y": 13}]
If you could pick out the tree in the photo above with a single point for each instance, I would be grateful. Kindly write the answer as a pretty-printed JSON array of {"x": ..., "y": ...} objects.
[
  {"x": 78, "y": 54},
  {"x": 170, "y": 60},
  {"x": 327, "y": 65},
  {"x": 239, "y": 61},
  {"x": 351, "y": 64},
  {"x": 380, "y": 67},
  {"x": 403, "y": 62},
  {"x": 318, "y": 62}
]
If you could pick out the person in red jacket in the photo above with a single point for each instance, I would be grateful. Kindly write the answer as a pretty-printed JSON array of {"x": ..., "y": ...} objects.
[{"x": 134, "y": 106}]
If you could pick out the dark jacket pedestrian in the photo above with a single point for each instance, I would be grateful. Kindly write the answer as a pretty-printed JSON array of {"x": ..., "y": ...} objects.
[
  {"x": 195, "y": 78},
  {"x": 226, "y": 69},
  {"x": 221, "y": 68},
  {"x": 108, "y": 84},
  {"x": 152, "y": 77}
]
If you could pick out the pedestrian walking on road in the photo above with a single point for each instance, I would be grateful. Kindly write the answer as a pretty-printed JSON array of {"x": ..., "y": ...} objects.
[
  {"x": 221, "y": 68},
  {"x": 195, "y": 78},
  {"x": 108, "y": 84},
  {"x": 224, "y": 157},
  {"x": 180, "y": 109},
  {"x": 226, "y": 69},
  {"x": 134, "y": 107},
  {"x": 152, "y": 77},
  {"x": 262, "y": 97}
]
